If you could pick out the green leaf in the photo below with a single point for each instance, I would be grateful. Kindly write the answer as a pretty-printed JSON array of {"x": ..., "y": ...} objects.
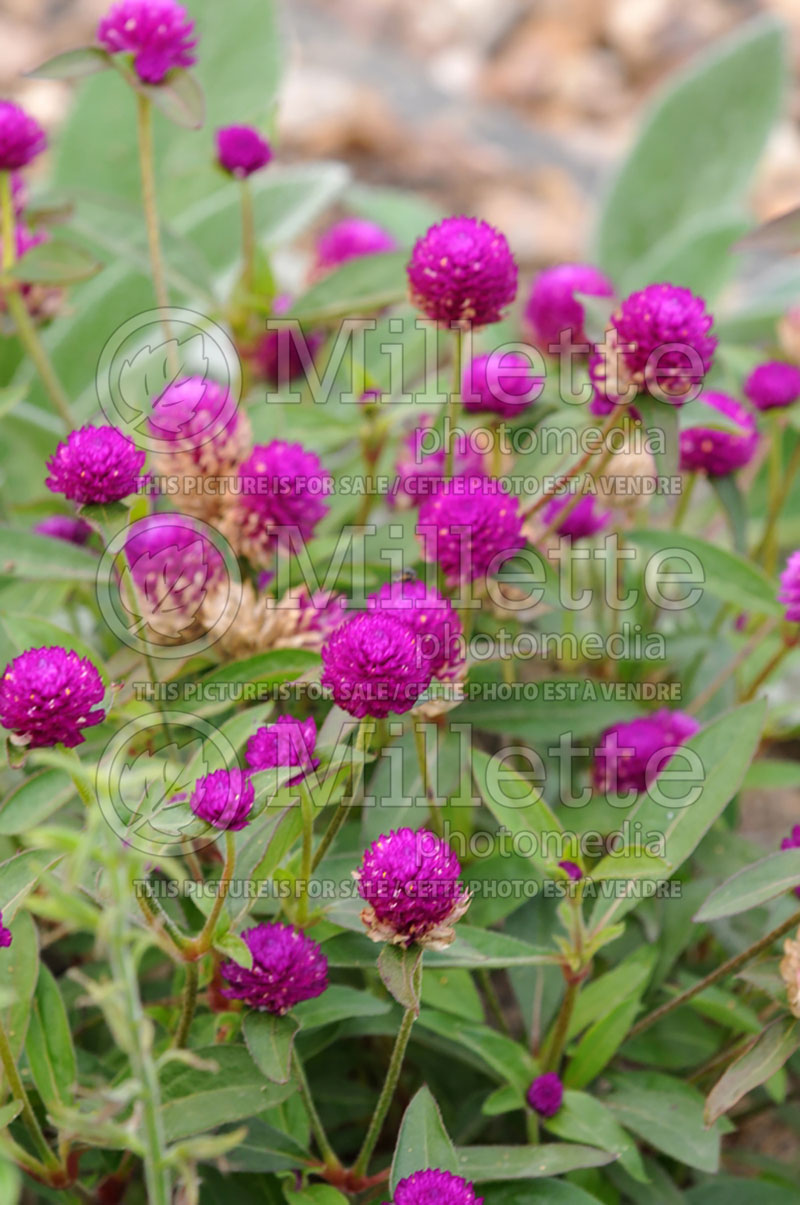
[
  {"x": 518, "y": 807},
  {"x": 732, "y": 503},
  {"x": 358, "y": 288},
  {"x": 562, "y": 705},
  {"x": 260, "y": 672},
  {"x": 697, "y": 151},
  {"x": 55, "y": 262},
  {"x": 668, "y": 1114},
  {"x": 661, "y": 421},
  {"x": 771, "y": 774},
  {"x": 19, "y": 875},
  {"x": 481, "y": 1163},
  {"x": 626, "y": 979},
  {"x": 338, "y": 1003},
  {"x": 106, "y": 517},
  {"x": 600, "y": 1043},
  {"x": 582, "y": 1118},
  {"x": 179, "y": 97},
  {"x": 753, "y": 885},
  {"x": 270, "y": 1040},
  {"x": 20, "y": 973},
  {"x": 503, "y": 1100},
  {"x": 25, "y": 554},
  {"x": 267, "y": 1149},
  {"x": 510, "y": 1061},
  {"x": 73, "y": 64},
  {"x": 730, "y": 1190},
  {"x": 534, "y": 1192},
  {"x": 34, "y": 800},
  {"x": 48, "y": 1045},
  {"x": 195, "y": 1100},
  {"x": 422, "y": 1142},
  {"x": 399, "y": 968},
  {"x": 316, "y": 1194},
  {"x": 767, "y": 1055},
  {"x": 720, "y": 573}
]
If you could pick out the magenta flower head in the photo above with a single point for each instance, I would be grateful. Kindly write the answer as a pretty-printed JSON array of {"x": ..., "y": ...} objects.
[
  {"x": 584, "y": 520},
  {"x": 5, "y": 935},
  {"x": 661, "y": 339},
  {"x": 279, "y": 357},
  {"x": 792, "y": 842},
  {"x": 174, "y": 564},
  {"x": 462, "y": 271},
  {"x": 469, "y": 526},
  {"x": 553, "y": 306},
  {"x": 420, "y": 473},
  {"x": 351, "y": 239},
  {"x": 789, "y": 593},
  {"x": 21, "y": 137},
  {"x": 288, "y": 967},
  {"x": 241, "y": 150},
  {"x": 633, "y": 753},
  {"x": 546, "y": 1094},
  {"x": 374, "y": 665},
  {"x": 717, "y": 450},
  {"x": 199, "y": 417},
  {"x": 223, "y": 799},
  {"x": 572, "y": 870},
  {"x": 773, "y": 385},
  {"x": 430, "y": 616},
  {"x": 96, "y": 464},
  {"x": 282, "y": 496},
  {"x": 434, "y": 1187},
  {"x": 500, "y": 383},
  {"x": 287, "y": 742},
  {"x": 158, "y": 33},
  {"x": 48, "y": 696},
  {"x": 410, "y": 884},
  {"x": 65, "y": 527}
]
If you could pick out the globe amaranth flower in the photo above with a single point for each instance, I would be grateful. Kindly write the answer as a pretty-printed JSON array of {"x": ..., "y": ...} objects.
[
  {"x": 242, "y": 150},
  {"x": 158, "y": 33},
  {"x": 5, "y": 935},
  {"x": 546, "y": 1094},
  {"x": 553, "y": 306},
  {"x": 223, "y": 799},
  {"x": 64, "y": 527},
  {"x": 350, "y": 239},
  {"x": 633, "y": 753},
  {"x": 462, "y": 271},
  {"x": 583, "y": 521},
  {"x": 773, "y": 385},
  {"x": 175, "y": 565},
  {"x": 96, "y": 464},
  {"x": 420, "y": 472},
  {"x": 282, "y": 499},
  {"x": 434, "y": 1187},
  {"x": 468, "y": 527},
  {"x": 572, "y": 870},
  {"x": 430, "y": 616},
  {"x": 283, "y": 355},
  {"x": 287, "y": 742},
  {"x": 789, "y": 593},
  {"x": 49, "y": 695},
  {"x": 374, "y": 665},
  {"x": 191, "y": 413},
  {"x": 410, "y": 884},
  {"x": 717, "y": 450},
  {"x": 792, "y": 842},
  {"x": 288, "y": 967},
  {"x": 659, "y": 342},
  {"x": 500, "y": 383},
  {"x": 21, "y": 137}
]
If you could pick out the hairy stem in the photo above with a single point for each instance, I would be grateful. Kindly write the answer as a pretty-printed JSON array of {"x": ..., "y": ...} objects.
[
  {"x": 325, "y": 1149},
  {"x": 365, "y": 730},
  {"x": 188, "y": 1006},
  {"x": 17, "y": 1089},
  {"x": 206, "y": 936},
  {"x": 144, "y": 121},
  {"x": 248, "y": 237},
  {"x": 555, "y": 1046}
]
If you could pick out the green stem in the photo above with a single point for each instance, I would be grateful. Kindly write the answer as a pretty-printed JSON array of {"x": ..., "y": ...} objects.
[
  {"x": 205, "y": 938},
  {"x": 29, "y": 338},
  {"x": 688, "y": 483},
  {"x": 365, "y": 730},
  {"x": 768, "y": 669},
  {"x": 189, "y": 1005},
  {"x": 453, "y": 403},
  {"x": 780, "y": 485},
  {"x": 493, "y": 1000},
  {"x": 558, "y": 1038},
  {"x": 248, "y": 237},
  {"x": 592, "y": 472},
  {"x": 7, "y": 216},
  {"x": 307, "y": 812},
  {"x": 17, "y": 1089},
  {"x": 420, "y": 744},
  {"x": 144, "y": 122},
  {"x": 722, "y": 972},
  {"x": 730, "y": 669},
  {"x": 78, "y": 779},
  {"x": 361, "y": 1164},
  {"x": 325, "y": 1149}
]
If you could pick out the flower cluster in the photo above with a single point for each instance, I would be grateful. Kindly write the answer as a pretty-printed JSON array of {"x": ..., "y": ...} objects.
[
  {"x": 288, "y": 967},
  {"x": 434, "y": 1187},
  {"x": 553, "y": 308},
  {"x": 159, "y": 34},
  {"x": 21, "y": 137},
  {"x": 462, "y": 273},
  {"x": 718, "y": 450},
  {"x": 374, "y": 666},
  {"x": 223, "y": 799},
  {"x": 241, "y": 150},
  {"x": 470, "y": 527},
  {"x": 287, "y": 742},
  {"x": 95, "y": 465},
  {"x": 500, "y": 384},
  {"x": 48, "y": 696},
  {"x": 633, "y": 753}
]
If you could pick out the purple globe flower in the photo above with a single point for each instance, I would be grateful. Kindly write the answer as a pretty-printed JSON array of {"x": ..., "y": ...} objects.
[
  {"x": 773, "y": 385},
  {"x": 279, "y": 357},
  {"x": 661, "y": 335},
  {"x": 193, "y": 413},
  {"x": 21, "y": 137},
  {"x": 572, "y": 870},
  {"x": 553, "y": 307},
  {"x": 158, "y": 33},
  {"x": 174, "y": 565},
  {"x": 5, "y": 935},
  {"x": 288, "y": 967},
  {"x": 715, "y": 450},
  {"x": 462, "y": 271},
  {"x": 434, "y": 1188},
  {"x": 374, "y": 665},
  {"x": 583, "y": 521},
  {"x": 633, "y": 753},
  {"x": 469, "y": 526},
  {"x": 96, "y": 464},
  {"x": 790, "y": 842},
  {"x": 350, "y": 239},
  {"x": 241, "y": 150},
  {"x": 49, "y": 695},
  {"x": 546, "y": 1094},
  {"x": 420, "y": 474},
  {"x": 65, "y": 527},
  {"x": 223, "y": 799},
  {"x": 500, "y": 383},
  {"x": 411, "y": 886},
  {"x": 430, "y": 616},
  {"x": 789, "y": 593},
  {"x": 287, "y": 742},
  {"x": 283, "y": 489}
]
